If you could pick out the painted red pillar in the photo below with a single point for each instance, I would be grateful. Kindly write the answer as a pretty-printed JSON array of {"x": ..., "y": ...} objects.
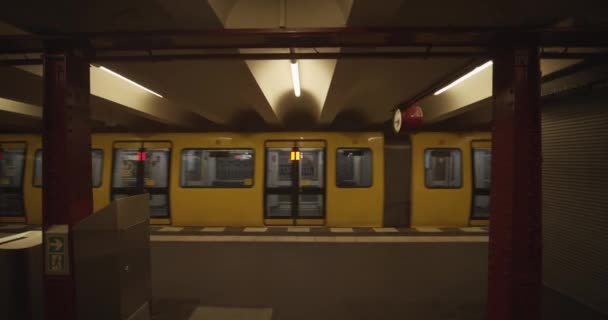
[
  {"x": 515, "y": 251},
  {"x": 66, "y": 196}
]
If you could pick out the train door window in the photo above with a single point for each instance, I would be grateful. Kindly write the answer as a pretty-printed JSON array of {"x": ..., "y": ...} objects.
[
  {"x": 278, "y": 168},
  {"x": 482, "y": 160},
  {"x": 125, "y": 173},
  {"x": 137, "y": 169},
  {"x": 354, "y": 168},
  {"x": 229, "y": 168},
  {"x": 295, "y": 181},
  {"x": 12, "y": 161},
  {"x": 156, "y": 181},
  {"x": 279, "y": 183},
  {"x": 443, "y": 168},
  {"x": 96, "y": 168},
  {"x": 311, "y": 183}
]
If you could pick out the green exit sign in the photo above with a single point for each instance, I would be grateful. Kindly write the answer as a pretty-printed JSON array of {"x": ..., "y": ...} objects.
[{"x": 57, "y": 250}]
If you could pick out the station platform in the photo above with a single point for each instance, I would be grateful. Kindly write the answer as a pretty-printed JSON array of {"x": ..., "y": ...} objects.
[
  {"x": 293, "y": 273},
  {"x": 300, "y": 234}
]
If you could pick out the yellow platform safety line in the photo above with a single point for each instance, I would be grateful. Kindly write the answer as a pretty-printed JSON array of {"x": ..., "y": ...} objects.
[
  {"x": 384, "y": 230},
  {"x": 171, "y": 229},
  {"x": 322, "y": 239},
  {"x": 255, "y": 229}
]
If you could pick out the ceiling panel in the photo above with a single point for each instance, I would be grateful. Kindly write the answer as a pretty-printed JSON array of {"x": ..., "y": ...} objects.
[
  {"x": 369, "y": 89},
  {"x": 476, "y": 13}
]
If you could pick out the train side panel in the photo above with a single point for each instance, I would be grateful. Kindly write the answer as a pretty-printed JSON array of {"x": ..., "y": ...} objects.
[
  {"x": 442, "y": 206},
  {"x": 213, "y": 206},
  {"x": 360, "y": 206},
  {"x": 32, "y": 204}
]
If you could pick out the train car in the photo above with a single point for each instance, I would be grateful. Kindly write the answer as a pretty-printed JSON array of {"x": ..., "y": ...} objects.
[{"x": 289, "y": 178}]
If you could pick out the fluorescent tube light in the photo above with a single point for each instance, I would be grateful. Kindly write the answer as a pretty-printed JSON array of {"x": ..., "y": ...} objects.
[
  {"x": 466, "y": 76},
  {"x": 129, "y": 81},
  {"x": 295, "y": 78}
]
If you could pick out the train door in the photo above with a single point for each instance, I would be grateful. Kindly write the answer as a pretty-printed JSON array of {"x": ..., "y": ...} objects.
[
  {"x": 397, "y": 179},
  {"x": 12, "y": 163},
  {"x": 143, "y": 167},
  {"x": 294, "y": 188},
  {"x": 482, "y": 160}
]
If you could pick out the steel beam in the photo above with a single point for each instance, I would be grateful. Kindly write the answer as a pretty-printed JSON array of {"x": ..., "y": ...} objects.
[
  {"x": 163, "y": 57},
  {"x": 66, "y": 193},
  {"x": 514, "y": 269},
  {"x": 310, "y": 38}
]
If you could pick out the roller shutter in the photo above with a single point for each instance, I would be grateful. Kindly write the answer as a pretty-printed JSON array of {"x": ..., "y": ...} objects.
[{"x": 575, "y": 197}]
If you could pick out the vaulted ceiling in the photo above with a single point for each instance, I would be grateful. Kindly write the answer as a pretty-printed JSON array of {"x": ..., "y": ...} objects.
[{"x": 258, "y": 94}]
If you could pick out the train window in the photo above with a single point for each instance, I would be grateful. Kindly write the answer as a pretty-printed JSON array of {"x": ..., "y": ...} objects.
[
  {"x": 11, "y": 167},
  {"x": 96, "y": 167},
  {"x": 482, "y": 161},
  {"x": 11, "y": 181},
  {"x": 227, "y": 168},
  {"x": 443, "y": 168},
  {"x": 354, "y": 168}
]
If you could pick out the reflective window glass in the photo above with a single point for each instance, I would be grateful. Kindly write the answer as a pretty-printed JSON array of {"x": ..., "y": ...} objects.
[
  {"x": 217, "y": 168},
  {"x": 11, "y": 181},
  {"x": 354, "y": 168},
  {"x": 310, "y": 205},
  {"x": 11, "y": 167},
  {"x": 156, "y": 168},
  {"x": 482, "y": 161},
  {"x": 125, "y": 168},
  {"x": 311, "y": 167},
  {"x": 443, "y": 168},
  {"x": 278, "y": 205},
  {"x": 96, "y": 167},
  {"x": 278, "y": 167}
]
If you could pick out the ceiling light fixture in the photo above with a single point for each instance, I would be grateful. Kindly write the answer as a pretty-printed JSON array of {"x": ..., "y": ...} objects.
[
  {"x": 295, "y": 77},
  {"x": 466, "y": 76},
  {"x": 129, "y": 81}
]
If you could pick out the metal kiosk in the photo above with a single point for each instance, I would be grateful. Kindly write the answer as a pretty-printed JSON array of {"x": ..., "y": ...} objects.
[{"x": 112, "y": 257}]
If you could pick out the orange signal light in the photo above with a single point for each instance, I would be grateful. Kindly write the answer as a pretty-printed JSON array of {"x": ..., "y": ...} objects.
[{"x": 295, "y": 155}]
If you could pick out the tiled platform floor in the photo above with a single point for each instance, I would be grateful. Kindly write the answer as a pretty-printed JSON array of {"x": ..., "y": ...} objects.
[{"x": 287, "y": 230}]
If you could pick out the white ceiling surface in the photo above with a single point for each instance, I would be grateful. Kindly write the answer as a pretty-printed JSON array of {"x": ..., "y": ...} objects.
[
  {"x": 274, "y": 76},
  {"x": 21, "y": 93},
  {"x": 367, "y": 90},
  {"x": 221, "y": 90},
  {"x": 109, "y": 87},
  {"x": 461, "y": 97},
  {"x": 370, "y": 89}
]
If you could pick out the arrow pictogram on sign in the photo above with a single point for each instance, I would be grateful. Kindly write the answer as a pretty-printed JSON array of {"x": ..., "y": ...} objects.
[{"x": 56, "y": 245}]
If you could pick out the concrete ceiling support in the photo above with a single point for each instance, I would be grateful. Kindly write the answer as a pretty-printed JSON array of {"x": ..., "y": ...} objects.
[
  {"x": 25, "y": 109},
  {"x": 136, "y": 102},
  {"x": 274, "y": 76},
  {"x": 66, "y": 194},
  {"x": 469, "y": 93},
  {"x": 515, "y": 253}
]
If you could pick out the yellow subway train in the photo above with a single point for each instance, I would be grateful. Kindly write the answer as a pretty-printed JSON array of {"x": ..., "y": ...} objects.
[{"x": 334, "y": 179}]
